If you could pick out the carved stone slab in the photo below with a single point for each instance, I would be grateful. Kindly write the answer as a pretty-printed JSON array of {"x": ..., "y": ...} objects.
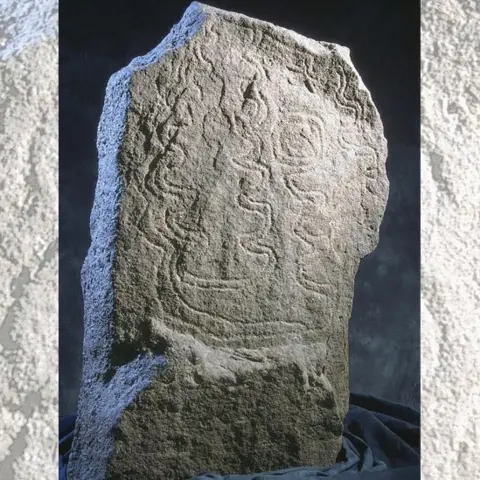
[{"x": 241, "y": 180}]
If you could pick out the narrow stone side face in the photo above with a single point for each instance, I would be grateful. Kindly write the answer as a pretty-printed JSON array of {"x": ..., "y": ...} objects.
[{"x": 246, "y": 183}]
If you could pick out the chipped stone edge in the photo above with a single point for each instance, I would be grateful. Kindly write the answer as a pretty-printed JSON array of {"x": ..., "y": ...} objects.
[{"x": 99, "y": 406}]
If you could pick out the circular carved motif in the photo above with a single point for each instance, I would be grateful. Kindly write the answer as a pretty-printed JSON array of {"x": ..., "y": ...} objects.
[{"x": 298, "y": 140}]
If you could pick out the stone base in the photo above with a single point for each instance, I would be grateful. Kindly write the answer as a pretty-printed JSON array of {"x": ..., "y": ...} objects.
[{"x": 197, "y": 419}]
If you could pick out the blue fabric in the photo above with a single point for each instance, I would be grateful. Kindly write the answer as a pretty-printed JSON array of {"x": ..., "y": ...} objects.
[{"x": 381, "y": 441}]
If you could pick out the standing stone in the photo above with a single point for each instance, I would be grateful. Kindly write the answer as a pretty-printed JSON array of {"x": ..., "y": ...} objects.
[{"x": 241, "y": 180}]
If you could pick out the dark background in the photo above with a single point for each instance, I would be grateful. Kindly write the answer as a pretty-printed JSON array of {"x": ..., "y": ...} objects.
[{"x": 98, "y": 37}]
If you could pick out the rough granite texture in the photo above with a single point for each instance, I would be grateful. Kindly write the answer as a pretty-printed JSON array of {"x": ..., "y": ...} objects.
[
  {"x": 28, "y": 240},
  {"x": 450, "y": 332},
  {"x": 241, "y": 181},
  {"x": 450, "y": 240}
]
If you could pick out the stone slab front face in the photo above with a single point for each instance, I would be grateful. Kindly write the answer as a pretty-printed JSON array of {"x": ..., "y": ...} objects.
[{"x": 241, "y": 180}]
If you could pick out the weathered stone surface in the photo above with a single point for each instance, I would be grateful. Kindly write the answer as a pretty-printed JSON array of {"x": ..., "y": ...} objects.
[{"x": 241, "y": 180}]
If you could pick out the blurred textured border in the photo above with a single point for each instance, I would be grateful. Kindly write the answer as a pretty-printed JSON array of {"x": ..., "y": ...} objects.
[
  {"x": 450, "y": 239},
  {"x": 28, "y": 239}
]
